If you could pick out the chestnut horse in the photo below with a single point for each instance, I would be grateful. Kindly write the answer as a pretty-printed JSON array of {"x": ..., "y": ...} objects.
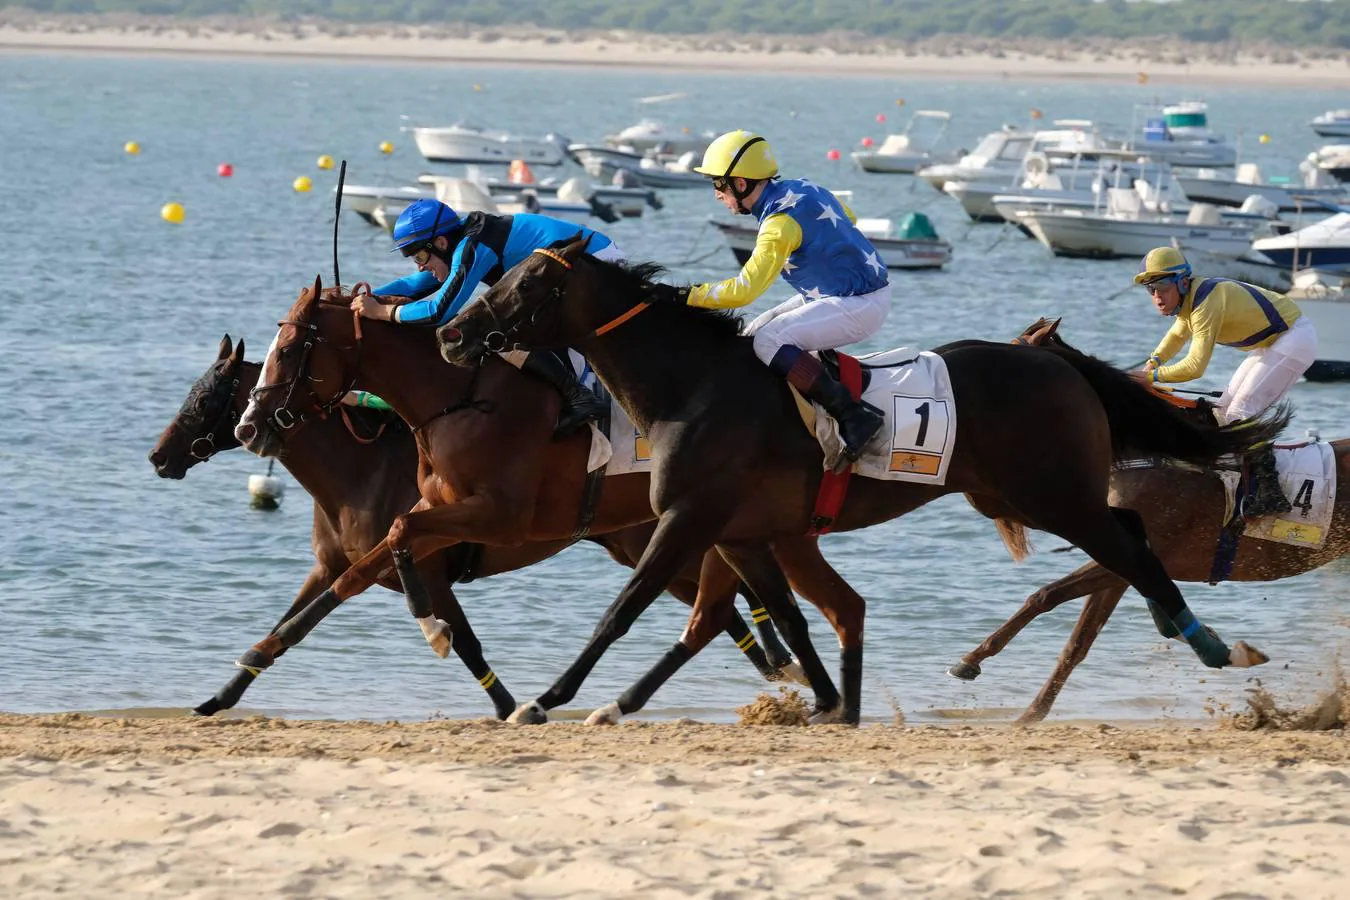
[
  {"x": 1183, "y": 511},
  {"x": 359, "y": 484},
  {"x": 1040, "y": 429},
  {"x": 489, "y": 468}
]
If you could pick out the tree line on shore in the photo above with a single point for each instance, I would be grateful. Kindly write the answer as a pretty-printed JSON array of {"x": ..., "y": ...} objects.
[{"x": 1294, "y": 23}]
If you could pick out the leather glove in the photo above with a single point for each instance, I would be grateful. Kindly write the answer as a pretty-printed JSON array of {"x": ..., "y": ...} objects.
[{"x": 668, "y": 293}]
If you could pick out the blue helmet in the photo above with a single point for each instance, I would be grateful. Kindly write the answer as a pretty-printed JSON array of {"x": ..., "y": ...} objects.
[{"x": 422, "y": 221}]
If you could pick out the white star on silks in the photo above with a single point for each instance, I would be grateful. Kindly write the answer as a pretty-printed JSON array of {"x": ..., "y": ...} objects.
[
  {"x": 814, "y": 293},
  {"x": 788, "y": 266},
  {"x": 829, "y": 214},
  {"x": 789, "y": 200},
  {"x": 874, "y": 263}
]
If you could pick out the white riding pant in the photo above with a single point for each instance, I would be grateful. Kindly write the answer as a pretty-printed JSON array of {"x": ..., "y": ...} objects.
[
  {"x": 1268, "y": 373},
  {"x": 612, "y": 253},
  {"x": 823, "y": 324}
]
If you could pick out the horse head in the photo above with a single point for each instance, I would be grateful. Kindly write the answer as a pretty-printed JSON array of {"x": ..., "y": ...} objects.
[
  {"x": 526, "y": 308},
  {"x": 205, "y": 422},
  {"x": 310, "y": 366}
]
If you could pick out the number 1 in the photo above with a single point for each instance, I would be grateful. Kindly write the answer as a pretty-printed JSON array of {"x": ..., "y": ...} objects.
[{"x": 922, "y": 410}]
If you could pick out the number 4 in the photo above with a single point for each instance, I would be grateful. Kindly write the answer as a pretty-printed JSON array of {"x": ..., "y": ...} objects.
[{"x": 1303, "y": 499}]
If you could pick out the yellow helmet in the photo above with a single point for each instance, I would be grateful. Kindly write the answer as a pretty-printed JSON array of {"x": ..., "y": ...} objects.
[
  {"x": 739, "y": 154},
  {"x": 1163, "y": 262}
]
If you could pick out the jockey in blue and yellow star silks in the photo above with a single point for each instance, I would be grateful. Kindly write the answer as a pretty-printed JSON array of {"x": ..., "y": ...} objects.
[
  {"x": 809, "y": 237},
  {"x": 455, "y": 255},
  {"x": 1280, "y": 343}
]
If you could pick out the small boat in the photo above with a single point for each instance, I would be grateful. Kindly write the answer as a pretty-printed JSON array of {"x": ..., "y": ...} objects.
[
  {"x": 1332, "y": 123},
  {"x": 999, "y": 155},
  {"x": 1251, "y": 267},
  {"x": 381, "y": 205},
  {"x": 467, "y": 143},
  {"x": 1333, "y": 159},
  {"x": 1179, "y": 135},
  {"x": 1209, "y": 186},
  {"x": 650, "y": 170},
  {"x": 1325, "y": 299},
  {"x": 1322, "y": 245},
  {"x": 652, "y": 135},
  {"x": 914, "y": 147},
  {"x": 913, "y": 244},
  {"x": 628, "y": 202}
]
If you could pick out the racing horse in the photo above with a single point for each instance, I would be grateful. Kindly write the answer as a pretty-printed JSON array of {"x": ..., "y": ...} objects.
[
  {"x": 361, "y": 475},
  {"x": 734, "y": 466}
]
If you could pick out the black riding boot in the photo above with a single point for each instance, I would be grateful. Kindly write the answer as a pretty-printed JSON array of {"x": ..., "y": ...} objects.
[
  {"x": 580, "y": 404},
  {"x": 1269, "y": 498},
  {"x": 858, "y": 421}
]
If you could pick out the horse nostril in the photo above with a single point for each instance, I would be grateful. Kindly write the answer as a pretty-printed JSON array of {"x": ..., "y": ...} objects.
[
  {"x": 450, "y": 337},
  {"x": 156, "y": 458},
  {"x": 245, "y": 432}
]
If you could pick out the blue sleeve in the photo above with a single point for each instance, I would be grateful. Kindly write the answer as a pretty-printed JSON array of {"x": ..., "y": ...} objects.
[
  {"x": 417, "y": 285},
  {"x": 471, "y": 262}
]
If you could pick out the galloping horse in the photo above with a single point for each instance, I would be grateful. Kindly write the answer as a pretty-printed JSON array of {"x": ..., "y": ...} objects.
[
  {"x": 1183, "y": 511},
  {"x": 735, "y": 466},
  {"x": 359, "y": 484},
  {"x": 489, "y": 469}
]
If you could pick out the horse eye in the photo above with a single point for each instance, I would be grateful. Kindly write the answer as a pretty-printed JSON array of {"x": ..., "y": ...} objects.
[{"x": 529, "y": 282}]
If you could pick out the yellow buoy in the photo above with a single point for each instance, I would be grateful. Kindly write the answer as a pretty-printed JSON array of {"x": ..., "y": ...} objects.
[
  {"x": 1265, "y": 139},
  {"x": 386, "y": 147},
  {"x": 302, "y": 184},
  {"x": 1142, "y": 78},
  {"x": 325, "y": 162},
  {"x": 900, "y": 101},
  {"x": 477, "y": 87},
  {"x": 172, "y": 212},
  {"x": 132, "y": 147}
]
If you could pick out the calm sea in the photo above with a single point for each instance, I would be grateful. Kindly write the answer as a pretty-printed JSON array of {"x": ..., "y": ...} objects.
[{"x": 119, "y": 590}]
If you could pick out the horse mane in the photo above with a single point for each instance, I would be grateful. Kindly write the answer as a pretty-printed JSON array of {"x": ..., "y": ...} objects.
[{"x": 639, "y": 278}]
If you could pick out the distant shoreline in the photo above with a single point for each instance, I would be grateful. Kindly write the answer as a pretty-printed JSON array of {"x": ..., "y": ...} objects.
[{"x": 951, "y": 58}]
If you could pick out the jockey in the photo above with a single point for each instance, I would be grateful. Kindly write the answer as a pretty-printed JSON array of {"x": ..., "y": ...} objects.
[
  {"x": 809, "y": 237},
  {"x": 1280, "y": 342},
  {"x": 454, "y": 255}
]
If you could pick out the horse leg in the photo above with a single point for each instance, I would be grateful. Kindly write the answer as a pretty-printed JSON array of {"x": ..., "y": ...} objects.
[
  {"x": 716, "y": 599},
  {"x": 445, "y": 607},
  {"x": 678, "y": 537},
  {"x": 686, "y": 592},
  {"x": 1096, "y": 610},
  {"x": 817, "y": 581},
  {"x": 1087, "y": 579},
  {"x": 778, "y": 655},
  {"x": 227, "y": 697}
]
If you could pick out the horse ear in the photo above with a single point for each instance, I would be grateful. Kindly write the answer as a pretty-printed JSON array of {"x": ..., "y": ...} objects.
[
  {"x": 318, "y": 286},
  {"x": 224, "y": 348},
  {"x": 238, "y": 355},
  {"x": 577, "y": 245},
  {"x": 1054, "y": 326}
]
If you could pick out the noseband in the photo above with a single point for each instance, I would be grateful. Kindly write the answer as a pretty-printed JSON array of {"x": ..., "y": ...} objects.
[
  {"x": 204, "y": 447},
  {"x": 282, "y": 418}
]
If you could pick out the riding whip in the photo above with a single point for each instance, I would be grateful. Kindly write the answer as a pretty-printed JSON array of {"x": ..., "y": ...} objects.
[{"x": 337, "y": 216}]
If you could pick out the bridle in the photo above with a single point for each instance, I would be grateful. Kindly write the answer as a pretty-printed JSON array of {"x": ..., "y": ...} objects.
[
  {"x": 282, "y": 418},
  {"x": 501, "y": 338},
  {"x": 204, "y": 447}
]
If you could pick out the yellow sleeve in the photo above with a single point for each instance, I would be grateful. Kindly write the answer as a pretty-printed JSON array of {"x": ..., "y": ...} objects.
[
  {"x": 1205, "y": 323},
  {"x": 778, "y": 237},
  {"x": 1173, "y": 340},
  {"x": 849, "y": 212}
]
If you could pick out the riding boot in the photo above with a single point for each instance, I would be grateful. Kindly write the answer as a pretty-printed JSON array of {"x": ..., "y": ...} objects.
[
  {"x": 858, "y": 421},
  {"x": 580, "y": 404},
  {"x": 1268, "y": 497}
]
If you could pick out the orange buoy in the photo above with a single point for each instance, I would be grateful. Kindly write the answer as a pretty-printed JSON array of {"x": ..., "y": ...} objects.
[
  {"x": 225, "y": 170},
  {"x": 832, "y": 154},
  {"x": 881, "y": 117},
  {"x": 866, "y": 142}
]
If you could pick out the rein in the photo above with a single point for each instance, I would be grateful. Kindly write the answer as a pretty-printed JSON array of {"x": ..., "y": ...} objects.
[{"x": 204, "y": 447}]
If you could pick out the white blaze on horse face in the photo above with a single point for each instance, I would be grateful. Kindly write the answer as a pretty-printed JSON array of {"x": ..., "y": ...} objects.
[{"x": 266, "y": 376}]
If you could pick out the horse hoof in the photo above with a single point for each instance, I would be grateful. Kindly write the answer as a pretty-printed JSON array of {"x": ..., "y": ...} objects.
[
  {"x": 1244, "y": 656},
  {"x": 794, "y": 672},
  {"x": 965, "y": 671},
  {"x": 1032, "y": 716},
  {"x": 609, "y": 714},
  {"x": 438, "y": 635},
  {"x": 529, "y": 714},
  {"x": 832, "y": 716},
  {"x": 209, "y": 708}
]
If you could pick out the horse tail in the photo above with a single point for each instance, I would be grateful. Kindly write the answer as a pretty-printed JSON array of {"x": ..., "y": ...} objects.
[
  {"x": 1014, "y": 536},
  {"x": 1143, "y": 422}
]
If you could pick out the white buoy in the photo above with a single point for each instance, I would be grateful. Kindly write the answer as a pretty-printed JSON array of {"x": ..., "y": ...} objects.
[{"x": 266, "y": 490}]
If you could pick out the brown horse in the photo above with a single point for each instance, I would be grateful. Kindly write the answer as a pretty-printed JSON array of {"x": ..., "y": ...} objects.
[
  {"x": 734, "y": 465},
  {"x": 1183, "y": 511},
  {"x": 489, "y": 468},
  {"x": 359, "y": 484}
]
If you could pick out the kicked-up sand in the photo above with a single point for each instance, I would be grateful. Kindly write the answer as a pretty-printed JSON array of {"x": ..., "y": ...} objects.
[{"x": 230, "y": 808}]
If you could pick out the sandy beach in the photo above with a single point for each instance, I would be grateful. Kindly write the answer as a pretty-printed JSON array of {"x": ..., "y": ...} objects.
[
  {"x": 1164, "y": 62},
  {"x": 179, "y": 807}
]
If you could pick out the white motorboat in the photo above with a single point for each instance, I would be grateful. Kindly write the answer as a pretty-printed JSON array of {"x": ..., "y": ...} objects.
[
  {"x": 1325, "y": 300},
  {"x": 628, "y": 202},
  {"x": 914, "y": 147},
  {"x": 1126, "y": 229},
  {"x": 650, "y": 135},
  {"x": 1332, "y": 123},
  {"x": 1323, "y": 245},
  {"x": 1179, "y": 135},
  {"x": 999, "y": 155},
  {"x": 1333, "y": 159},
  {"x": 650, "y": 170},
  {"x": 1251, "y": 267},
  {"x": 1041, "y": 181},
  {"x": 364, "y": 200},
  {"x": 1211, "y": 186},
  {"x": 912, "y": 245},
  {"x": 381, "y": 205},
  {"x": 467, "y": 143}
]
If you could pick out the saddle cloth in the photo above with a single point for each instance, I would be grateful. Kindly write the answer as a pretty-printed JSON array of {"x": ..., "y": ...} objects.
[
  {"x": 623, "y": 449},
  {"x": 1308, "y": 479},
  {"x": 912, "y": 390}
]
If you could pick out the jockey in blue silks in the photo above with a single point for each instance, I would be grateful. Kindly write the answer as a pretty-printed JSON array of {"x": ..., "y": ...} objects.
[{"x": 454, "y": 256}]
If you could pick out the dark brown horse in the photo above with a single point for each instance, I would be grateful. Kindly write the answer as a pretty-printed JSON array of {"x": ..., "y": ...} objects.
[
  {"x": 489, "y": 469},
  {"x": 1040, "y": 429},
  {"x": 359, "y": 483},
  {"x": 1183, "y": 511}
]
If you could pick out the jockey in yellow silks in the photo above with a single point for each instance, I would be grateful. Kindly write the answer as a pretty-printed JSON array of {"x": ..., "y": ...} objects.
[
  {"x": 1280, "y": 343},
  {"x": 809, "y": 237}
]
